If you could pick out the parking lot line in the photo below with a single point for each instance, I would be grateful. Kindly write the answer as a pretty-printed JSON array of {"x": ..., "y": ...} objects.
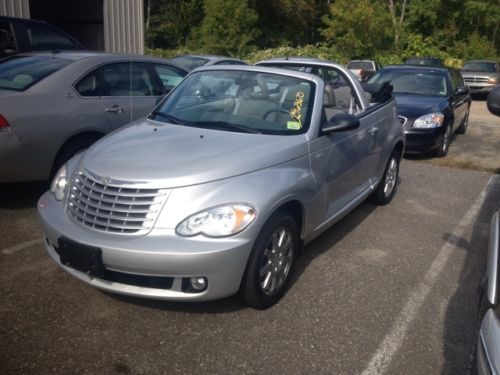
[
  {"x": 21, "y": 246},
  {"x": 382, "y": 358}
]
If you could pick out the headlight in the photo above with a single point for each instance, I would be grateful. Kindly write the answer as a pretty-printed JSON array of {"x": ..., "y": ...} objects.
[
  {"x": 218, "y": 221},
  {"x": 431, "y": 120},
  {"x": 58, "y": 186},
  {"x": 493, "y": 80}
]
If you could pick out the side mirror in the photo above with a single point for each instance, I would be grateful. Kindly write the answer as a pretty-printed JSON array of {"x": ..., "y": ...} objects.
[
  {"x": 493, "y": 101},
  {"x": 340, "y": 122},
  {"x": 461, "y": 90}
]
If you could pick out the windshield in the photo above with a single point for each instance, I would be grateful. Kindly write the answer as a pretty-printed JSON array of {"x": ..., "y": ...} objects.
[
  {"x": 480, "y": 66},
  {"x": 189, "y": 62},
  {"x": 413, "y": 82},
  {"x": 20, "y": 72},
  {"x": 240, "y": 101},
  {"x": 363, "y": 65}
]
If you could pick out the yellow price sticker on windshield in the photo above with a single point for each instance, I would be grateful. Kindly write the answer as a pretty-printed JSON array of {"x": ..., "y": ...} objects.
[
  {"x": 293, "y": 125},
  {"x": 296, "y": 111}
]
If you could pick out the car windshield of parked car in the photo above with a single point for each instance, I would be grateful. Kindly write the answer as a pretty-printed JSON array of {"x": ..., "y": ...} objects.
[
  {"x": 241, "y": 101},
  {"x": 363, "y": 65},
  {"x": 479, "y": 66},
  {"x": 20, "y": 72},
  {"x": 424, "y": 61},
  {"x": 189, "y": 62},
  {"x": 413, "y": 82}
]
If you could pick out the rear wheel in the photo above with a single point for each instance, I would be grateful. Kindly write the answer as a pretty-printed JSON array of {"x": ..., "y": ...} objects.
[
  {"x": 271, "y": 262},
  {"x": 386, "y": 189},
  {"x": 70, "y": 149}
]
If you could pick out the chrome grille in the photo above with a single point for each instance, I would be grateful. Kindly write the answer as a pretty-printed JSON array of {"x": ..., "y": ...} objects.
[
  {"x": 476, "y": 79},
  {"x": 113, "y": 208}
]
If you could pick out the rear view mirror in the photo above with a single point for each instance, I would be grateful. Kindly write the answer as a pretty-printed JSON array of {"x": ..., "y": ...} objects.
[
  {"x": 494, "y": 101},
  {"x": 340, "y": 122},
  {"x": 461, "y": 90}
]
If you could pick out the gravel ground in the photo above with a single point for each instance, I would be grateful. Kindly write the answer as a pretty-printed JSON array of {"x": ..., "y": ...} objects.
[{"x": 479, "y": 148}]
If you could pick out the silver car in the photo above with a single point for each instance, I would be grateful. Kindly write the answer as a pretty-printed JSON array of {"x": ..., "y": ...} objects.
[
  {"x": 55, "y": 104},
  {"x": 216, "y": 192}
]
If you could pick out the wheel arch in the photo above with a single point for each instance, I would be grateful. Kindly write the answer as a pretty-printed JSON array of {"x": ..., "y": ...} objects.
[{"x": 74, "y": 138}]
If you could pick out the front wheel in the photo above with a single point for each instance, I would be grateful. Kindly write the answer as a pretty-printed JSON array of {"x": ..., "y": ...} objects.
[
  {"x": 386, "y": 189},
  {"x": 442, "y": 151},
  {"x": 463, "y": 127},
  {"x": 272, "y": 259}
]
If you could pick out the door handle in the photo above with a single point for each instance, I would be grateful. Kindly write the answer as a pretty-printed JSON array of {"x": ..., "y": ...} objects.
[
  {"x": 114, "y": 109},
  {"x": 373, "y": 131}
]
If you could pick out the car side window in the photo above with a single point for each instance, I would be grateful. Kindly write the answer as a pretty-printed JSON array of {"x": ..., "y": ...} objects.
[
  {"x": 45, "y": 38},
  {"x": 169, "y": 76},
  {"x": 89, "y": 85},
  {"x": 230, "y": 62},
  {"x": 7, "y": 42},
  {"x": 126, "y": 79}
]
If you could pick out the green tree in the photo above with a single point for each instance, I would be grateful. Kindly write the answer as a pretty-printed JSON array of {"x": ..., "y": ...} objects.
[
  {"x": 169, "y": 22},
  {"x": 286, "y": 22},
  {"x": 228, "y": 27},
  {"x": 357, "y": 28}
]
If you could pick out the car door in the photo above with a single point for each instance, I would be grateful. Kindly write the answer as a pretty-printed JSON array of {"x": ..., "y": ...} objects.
[
  {"x": 459, "y": 95},
  {"x": 128, "y": 92},
  {"x": 344, "y": 164}
]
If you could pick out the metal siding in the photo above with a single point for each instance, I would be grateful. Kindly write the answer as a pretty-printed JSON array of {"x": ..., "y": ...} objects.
[
  {"x": 123, "y": 26},
  {"x": 15, "y": 8}
]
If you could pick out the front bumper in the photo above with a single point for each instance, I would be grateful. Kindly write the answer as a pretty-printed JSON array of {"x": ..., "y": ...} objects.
[
  {"x": 481, "y": 89},
  {"x": 423, "y": 140},
  {"x": 159, "y": 254}
]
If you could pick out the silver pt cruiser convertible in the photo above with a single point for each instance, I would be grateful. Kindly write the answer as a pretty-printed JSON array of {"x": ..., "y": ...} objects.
[{"x": 218, "y": 189}]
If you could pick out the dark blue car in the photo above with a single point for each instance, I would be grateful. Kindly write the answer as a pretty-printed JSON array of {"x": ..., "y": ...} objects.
[{"x": 432, "y": 103}]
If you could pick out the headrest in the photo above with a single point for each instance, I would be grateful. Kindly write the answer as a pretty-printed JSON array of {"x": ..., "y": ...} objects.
[{"x": 329, "y": 96}]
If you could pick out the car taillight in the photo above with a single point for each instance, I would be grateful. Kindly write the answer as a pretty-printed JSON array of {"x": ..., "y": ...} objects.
[{"x": 4, "y": 124}]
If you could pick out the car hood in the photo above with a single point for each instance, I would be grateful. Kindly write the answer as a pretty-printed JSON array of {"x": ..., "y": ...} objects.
[
  {"x": 174, "y": 155},
  {"x": 414, "y": 106}
]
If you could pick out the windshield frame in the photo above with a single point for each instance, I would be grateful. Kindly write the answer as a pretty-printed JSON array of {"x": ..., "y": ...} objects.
[{"x": 234, "y": 121}]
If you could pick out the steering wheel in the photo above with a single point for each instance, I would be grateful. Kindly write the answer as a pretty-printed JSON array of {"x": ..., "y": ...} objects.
[{"x": 272, "y": 110}]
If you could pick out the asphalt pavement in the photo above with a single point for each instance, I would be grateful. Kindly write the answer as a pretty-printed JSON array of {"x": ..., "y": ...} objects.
[{"x": 388, "y": 290}]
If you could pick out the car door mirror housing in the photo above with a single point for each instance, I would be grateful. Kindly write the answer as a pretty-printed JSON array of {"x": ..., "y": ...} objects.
[
  {"x": 340, "y": 122},
  {"x": 461, "y": 90}
]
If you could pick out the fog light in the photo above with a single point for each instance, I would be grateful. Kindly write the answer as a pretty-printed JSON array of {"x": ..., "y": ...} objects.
[{"x": 198, "y": 283}]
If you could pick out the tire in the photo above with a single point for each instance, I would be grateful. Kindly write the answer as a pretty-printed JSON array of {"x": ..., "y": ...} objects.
[
  {"x": 444, "y": 145},
  {"x": 387, "y": 187},
  {"x": 463, "y": 127},
  {"x": 69, "y": 149},
  {"x": 270, "y": 265}
]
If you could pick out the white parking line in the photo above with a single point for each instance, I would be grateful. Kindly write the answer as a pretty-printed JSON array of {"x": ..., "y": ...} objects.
[
  {"x": 21, "y": 246},
  {"x": 382, "y": 358}
]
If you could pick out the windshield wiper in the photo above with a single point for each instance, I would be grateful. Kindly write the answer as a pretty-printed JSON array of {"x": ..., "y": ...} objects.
[
  {"x": 170, "y": 118},
  {"x": 226, "y": 125}
]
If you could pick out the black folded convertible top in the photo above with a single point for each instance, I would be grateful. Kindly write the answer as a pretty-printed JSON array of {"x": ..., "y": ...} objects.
[{"x": 380, "y": 92}]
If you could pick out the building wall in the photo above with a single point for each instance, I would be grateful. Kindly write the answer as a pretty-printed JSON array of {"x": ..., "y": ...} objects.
[
  {"x": 15, "y": 8},
  {"x": 122, "y": 22},
  {"x": 123, "y": 26}
]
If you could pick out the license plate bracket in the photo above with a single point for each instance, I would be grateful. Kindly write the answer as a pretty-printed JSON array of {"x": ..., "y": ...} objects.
[{"x": 83, "y": 258}]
